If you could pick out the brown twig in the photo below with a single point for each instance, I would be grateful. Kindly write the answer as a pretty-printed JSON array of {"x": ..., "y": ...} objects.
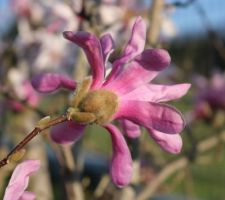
[
  {"x": 180, "y": 4},
  {"x": 155, "y": 22},
  {"x": 73, "y": 188},
  {"x": 30, "y": 136},
  {"x": 177, "y": 165}
]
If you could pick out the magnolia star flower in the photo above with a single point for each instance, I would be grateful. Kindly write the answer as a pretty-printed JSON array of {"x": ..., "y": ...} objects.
[
  {"x": 19, "y": 181},
  {"x": 125, "y": 94},
  {"x": 209, "y": 97}
]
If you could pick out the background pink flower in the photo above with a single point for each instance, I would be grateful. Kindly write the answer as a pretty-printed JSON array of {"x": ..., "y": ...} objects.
[
  {"x": 210, "y": 95},
  {"x": 19, "y": 181}
]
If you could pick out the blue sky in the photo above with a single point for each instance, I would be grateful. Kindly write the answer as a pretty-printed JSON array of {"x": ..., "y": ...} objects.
[
  {"x": 186, "y": 19},
  {"x": 189, "y": 22},
  {"x": 5, "y": 16}
]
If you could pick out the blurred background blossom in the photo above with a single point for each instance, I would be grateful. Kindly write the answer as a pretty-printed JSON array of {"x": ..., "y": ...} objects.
[{"x": 31, "y": 43}]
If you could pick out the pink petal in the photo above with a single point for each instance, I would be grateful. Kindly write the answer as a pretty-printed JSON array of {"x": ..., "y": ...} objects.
[
  {"x": 170, "y": 143},
  {"x": 163, "y": 118},
  {"x": 217, "y": 80},
  {"x": 136, "y": 43},
  {"x": 51, "y": 82},
  {"x": 121, "y": 167},
  {"x": 157, "y": 93},
  {"x": 28, "y": 196},
  {"x": 131, "y": 129},
  {"x": 31, "y": 95},
  {"x": 107, "y": 44},
  {"x": 67, "y": 132},
  {"x": 93, "y": 51},
  {"x": 20, "y": 178},
  {"x": 140, "y": 71},
  {"x": 134, "y": 47},
  {"x": 157, "y": 59}
]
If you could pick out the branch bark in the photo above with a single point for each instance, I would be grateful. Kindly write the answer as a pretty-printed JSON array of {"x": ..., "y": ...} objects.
[
  {"x": 155, "y": 22},
  {"x": 37, "y": 130},
  {"x": 177, "y": 165}
]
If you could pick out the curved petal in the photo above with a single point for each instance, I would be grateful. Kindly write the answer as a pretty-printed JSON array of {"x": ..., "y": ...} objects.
[
  {"x": 136, "y": 43},
  {"x": 49, "y": 82},
  {"x": 93, "y": 51},
  {"x": 67, "y": 132},
  {"x": 140, "y": 71},
  {"x": 170, "y": 143},
  {"x": 134, "y": 47},
  {"x": 108, "y": 45},
  {"x": 19, "y": 180},
  {"x": 131, "y": 129},
  {"x": 121, "y": 166},
  {"x": 158, "y": 93},
  {"x": 161, "y": 117}
]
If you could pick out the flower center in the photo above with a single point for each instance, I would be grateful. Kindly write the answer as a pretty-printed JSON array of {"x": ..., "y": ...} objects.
[
  {"x": 92, "y": 106},
  {"x": 101, "y": 103}
]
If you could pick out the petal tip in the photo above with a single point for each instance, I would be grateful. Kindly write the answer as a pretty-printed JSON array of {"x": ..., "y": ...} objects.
[
  {"x": 68, "y": 34},
  {"x": 139, "y": 19},
  {"x": 187, "y": 86},
  {"x": 155, "y": 58},
  {"x": 163, "y": 57}
]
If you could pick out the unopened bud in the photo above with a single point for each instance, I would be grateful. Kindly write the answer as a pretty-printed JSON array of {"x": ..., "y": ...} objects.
[
  {"x": 43, "y": 122},
  {"x": 17, "y": 155}
]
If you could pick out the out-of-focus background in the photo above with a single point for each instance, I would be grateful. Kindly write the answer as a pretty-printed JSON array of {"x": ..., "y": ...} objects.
[{"x": 31, "y": 42}]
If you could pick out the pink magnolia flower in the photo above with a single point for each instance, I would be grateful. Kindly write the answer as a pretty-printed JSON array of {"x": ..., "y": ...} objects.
[
  {"x": 19, "y": 181},
  {"x": 210, "y": 95},
  {"x": 23, "y": 90},
  {"x": 125, "y": 94}
]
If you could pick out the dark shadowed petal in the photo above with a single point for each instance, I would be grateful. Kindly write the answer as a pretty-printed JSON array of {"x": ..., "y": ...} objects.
[
  {"x": 161, "y": 117},
  {"x": 171, "y": 143},
  {"x": 20, "y": 178},
  {"x": 51, "y": 82},
  {"x": 131, "y": 129},
  {"x": 134, "y": 47},
  {"x": 93, "y": 51},
  {"x": 108, "y": 46},
  {"x": 121, "y": 166},
  {"x": 140, "y": 71},
  {"x": 157, "y": 93},
  {"x": 67, "y": 132}
]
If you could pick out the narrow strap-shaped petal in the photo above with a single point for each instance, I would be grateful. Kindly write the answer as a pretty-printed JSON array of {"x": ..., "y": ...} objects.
[
  {"x": 140, "y": 71},
  {"x": 158, "y": 93},
  {"x": 121, "y": 166},
  {"x": 134, "y": 47},
  {"x": 67, "y": 132},
  {"x": 20, "y": 178},
  {"x": 108, "y": 46},
  {"x": 171, "y": 143},
  {"x": 49, "y": 82},
  {"x": 93, "y": 51},
  {"x": 163, "y": 118},
  {"x": 136, "y": 43},
  {"x": 130, "y": 129}
]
